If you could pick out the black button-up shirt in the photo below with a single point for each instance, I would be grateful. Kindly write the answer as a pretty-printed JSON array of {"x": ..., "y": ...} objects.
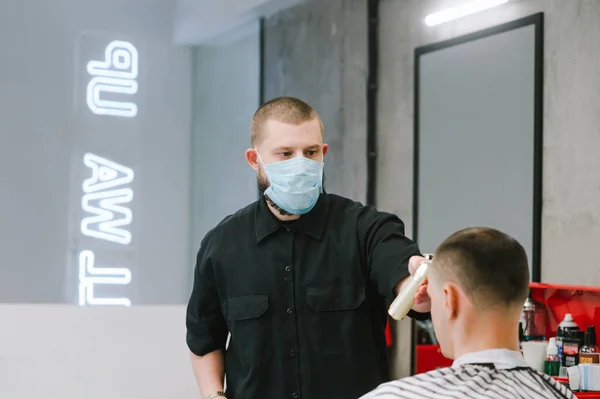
[{"x": 304, "y": 301}]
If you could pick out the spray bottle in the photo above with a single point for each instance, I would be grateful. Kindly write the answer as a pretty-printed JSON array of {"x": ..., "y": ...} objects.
[
  {"x": 563, "y": 331},
  {"x": 406, "y": 299},
  {"x": 567, "y": 325}
]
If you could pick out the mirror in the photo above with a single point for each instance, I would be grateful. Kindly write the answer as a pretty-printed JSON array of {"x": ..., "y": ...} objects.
[{"x": 478, "y": 136}]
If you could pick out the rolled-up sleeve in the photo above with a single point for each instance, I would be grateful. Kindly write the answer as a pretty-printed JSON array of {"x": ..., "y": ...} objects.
[
  {"x": 388, "y": 251},
  {"x": 206, "y": 327}
]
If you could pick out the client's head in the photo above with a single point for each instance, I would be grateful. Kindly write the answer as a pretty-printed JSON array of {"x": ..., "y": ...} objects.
[{"x": 478, "y": 282}]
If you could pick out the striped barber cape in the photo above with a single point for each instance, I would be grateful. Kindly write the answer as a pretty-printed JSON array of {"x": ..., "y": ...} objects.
[{"x": 495, "y": 373}]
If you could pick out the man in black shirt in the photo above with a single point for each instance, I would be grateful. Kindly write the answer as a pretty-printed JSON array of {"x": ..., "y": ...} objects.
[{"x": 300, "y": 278}]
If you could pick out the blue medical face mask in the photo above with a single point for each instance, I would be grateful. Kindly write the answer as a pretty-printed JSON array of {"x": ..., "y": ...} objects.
[{"x": 295, "y": 184}]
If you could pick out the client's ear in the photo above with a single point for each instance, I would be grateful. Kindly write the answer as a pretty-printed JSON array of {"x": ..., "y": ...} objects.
[{"x": 451, "y": 301}]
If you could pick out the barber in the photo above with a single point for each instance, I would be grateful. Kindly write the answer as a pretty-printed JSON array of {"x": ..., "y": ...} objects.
[{"x": 300, "y": 278}]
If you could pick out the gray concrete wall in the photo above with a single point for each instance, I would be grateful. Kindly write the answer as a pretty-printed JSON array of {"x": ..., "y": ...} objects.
[
  {"x": 317, "y": 51},
  {"x": 226, "y": 94}
]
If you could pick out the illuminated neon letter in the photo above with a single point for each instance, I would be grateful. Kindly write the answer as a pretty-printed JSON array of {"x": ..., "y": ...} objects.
[
  {"x": 90, "y": 276},
  {"x": 103, "y": 196},
  {"x": 117, "y": 74}
]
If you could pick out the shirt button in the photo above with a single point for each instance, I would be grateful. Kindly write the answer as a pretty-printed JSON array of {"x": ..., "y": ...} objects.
[
  {"x": 290, "y": 311},
  {"x": 288, "y": 228},
  {"x": 292, "y": 353},
  {"x": 295, "y": 395},
  {"x": 288, "y": 268}
]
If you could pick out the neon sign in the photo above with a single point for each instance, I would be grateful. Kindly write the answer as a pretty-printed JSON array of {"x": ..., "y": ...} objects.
[
  {"x": 90, "y": 276},
  {"x": 103, "y": 195},
  {"x": 107, "y": 193},
  {"x": 116, "y": 74}
]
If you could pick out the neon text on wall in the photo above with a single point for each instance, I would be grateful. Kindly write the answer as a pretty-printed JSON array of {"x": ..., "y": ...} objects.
[
  {"x": 105, "y": 194},
  {"x": 116, "y": 74},
  {"x": 90, "y": 276},
  {"x": 103, "y": 198}
]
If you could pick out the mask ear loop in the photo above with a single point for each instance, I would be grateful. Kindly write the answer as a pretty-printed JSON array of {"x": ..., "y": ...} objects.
[
  {"x": 259, "y": 158},
  {"x": 263, "y": 164},
  {"x": 322, "y": 173}
]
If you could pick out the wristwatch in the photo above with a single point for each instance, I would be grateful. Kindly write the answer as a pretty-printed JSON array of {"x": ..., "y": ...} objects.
[{"x": 216, "y": 394}]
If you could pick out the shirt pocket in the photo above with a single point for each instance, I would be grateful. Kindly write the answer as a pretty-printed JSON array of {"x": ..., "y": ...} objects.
[
  {"x": 334, "y": 317},
  {"x": 247, "y": 318}
]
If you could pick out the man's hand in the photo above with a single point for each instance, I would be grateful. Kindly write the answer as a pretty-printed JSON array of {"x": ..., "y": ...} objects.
[{"x": 421, "y": 297}]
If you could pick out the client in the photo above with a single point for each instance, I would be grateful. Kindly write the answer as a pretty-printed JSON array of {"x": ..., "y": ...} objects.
[{"x": 478, "y": 282}]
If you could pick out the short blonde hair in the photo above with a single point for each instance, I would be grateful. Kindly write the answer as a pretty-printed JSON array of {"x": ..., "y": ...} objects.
[
  {"x": 281, "y": 109},
  {"x": 489, "y": 265}
]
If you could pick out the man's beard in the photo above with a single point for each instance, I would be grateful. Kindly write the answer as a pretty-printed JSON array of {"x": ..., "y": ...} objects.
[{"x": 263, "y": 183}]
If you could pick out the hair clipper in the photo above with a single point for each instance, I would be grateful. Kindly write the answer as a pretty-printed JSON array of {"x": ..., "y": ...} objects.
[{"x": 406, "y": 299}]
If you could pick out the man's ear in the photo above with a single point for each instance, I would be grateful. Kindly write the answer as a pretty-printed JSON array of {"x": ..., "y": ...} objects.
[
  {"x": 252, "y": 159},
  {"x": 451, "y": 301},
  {"x": 325, "y": 148}
]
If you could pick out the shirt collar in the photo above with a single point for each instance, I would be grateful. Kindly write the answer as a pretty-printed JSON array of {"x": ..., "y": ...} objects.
[
  {"x": 500, "y": 358},
  {"x": 311, "y": 223}
]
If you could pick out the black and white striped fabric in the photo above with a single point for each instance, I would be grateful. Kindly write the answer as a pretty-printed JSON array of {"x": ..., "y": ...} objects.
[{"x": 507, "y": 376}]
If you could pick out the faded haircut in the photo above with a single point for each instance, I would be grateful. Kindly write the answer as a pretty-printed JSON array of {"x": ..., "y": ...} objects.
[{"x": 489, "y": 265}]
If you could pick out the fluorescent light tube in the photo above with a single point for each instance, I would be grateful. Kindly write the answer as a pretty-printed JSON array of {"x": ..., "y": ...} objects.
[{"x": 462, "y": 10}]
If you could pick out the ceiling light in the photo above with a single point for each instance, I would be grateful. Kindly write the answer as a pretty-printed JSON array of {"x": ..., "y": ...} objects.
[{"x": 462, "y": 10}]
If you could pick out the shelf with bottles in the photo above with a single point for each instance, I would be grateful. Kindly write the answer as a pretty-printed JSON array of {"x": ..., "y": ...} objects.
[{"x": 583, "y": 304}]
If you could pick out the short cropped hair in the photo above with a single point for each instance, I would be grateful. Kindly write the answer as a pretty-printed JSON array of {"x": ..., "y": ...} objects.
[
  {"x": 282, "y": 109},
  {"x": 489, "y": 265}
]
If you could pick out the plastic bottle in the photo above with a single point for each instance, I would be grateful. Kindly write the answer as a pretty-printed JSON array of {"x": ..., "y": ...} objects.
[
  {"x": 571, "y": 346},
  {"x": 552, "y": 362},
  {"x": 589, "y": 352}
]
